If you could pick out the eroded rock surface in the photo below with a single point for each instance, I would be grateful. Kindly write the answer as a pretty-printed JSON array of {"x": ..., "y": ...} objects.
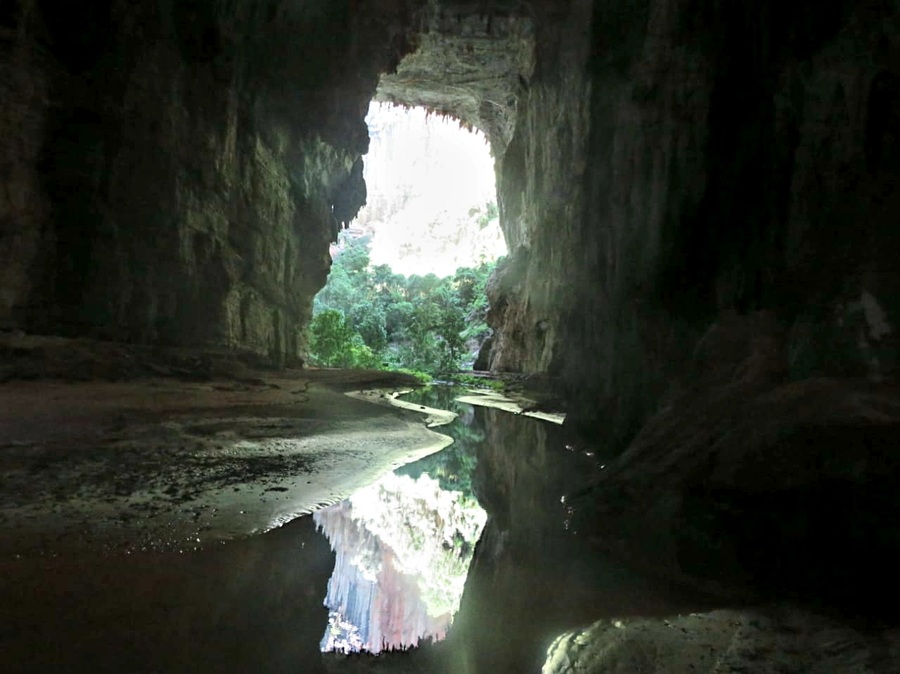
[
  {"x": 174, "y": 174},
  {"x": 785, "y": 491},
  {"x": 724, "y": 642}
]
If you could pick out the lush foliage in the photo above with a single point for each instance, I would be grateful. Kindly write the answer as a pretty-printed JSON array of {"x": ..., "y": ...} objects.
[
  {"x": 370, "y": 317},
  {"x": 336, "y": 344}
]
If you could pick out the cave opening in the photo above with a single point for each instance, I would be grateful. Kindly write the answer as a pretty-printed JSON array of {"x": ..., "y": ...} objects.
[
  {"x": 432, "y": 197},
  {"x": 407, "y": 285}
]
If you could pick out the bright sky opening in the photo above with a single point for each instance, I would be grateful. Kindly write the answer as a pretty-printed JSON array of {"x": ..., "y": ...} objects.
[{"x": 431, "y": 205}]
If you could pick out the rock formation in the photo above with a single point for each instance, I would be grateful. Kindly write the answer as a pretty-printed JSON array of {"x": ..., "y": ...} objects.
[
  {"x": 700, "y": 199},
  {"x": 174, "y": 173},
  {"x": 722, "y": 641}
]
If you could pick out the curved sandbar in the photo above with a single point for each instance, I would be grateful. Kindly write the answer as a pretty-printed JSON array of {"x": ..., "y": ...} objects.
[{"x": 164, "y": 463}]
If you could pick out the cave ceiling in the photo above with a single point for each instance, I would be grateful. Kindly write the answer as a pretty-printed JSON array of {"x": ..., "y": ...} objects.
[{"x": 472, "y": 65}]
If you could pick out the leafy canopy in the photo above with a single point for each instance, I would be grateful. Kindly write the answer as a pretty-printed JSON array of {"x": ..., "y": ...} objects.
[{"x": 369, "y": 316}]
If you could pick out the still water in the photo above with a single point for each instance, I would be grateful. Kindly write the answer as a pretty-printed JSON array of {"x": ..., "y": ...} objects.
[
  {"x": 461, "y": 562},
  {"x": 403, "y": 545}
]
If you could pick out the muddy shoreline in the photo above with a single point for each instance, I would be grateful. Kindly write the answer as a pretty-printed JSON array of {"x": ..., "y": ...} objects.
[{"x": 120, "y": 448}]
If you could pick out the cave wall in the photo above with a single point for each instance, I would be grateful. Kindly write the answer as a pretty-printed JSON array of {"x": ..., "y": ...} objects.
[
  {"x": 690, "y": 168},
  {"x": 173, "y": 172},
  {"x": 692, "y": 193},
  {"x": 540, "y": 195}
]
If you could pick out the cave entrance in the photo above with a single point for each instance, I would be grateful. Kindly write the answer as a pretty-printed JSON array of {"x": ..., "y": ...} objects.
[
  {"x": 407, "y": 283},
  {"x": 432, "y": 197}
]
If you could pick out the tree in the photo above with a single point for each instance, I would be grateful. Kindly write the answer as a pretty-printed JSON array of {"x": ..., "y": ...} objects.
[
  {"x": 334, "y": 343},
  {"x": 368, "y": 320},
  {"x": 366, "y": 316}
]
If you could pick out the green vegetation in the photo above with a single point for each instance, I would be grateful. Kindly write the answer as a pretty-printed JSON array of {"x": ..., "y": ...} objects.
[
  {"x": 485, "y": 214},
  {"x": 473, "y": 381},
  {"x": 371, "y": 317}
]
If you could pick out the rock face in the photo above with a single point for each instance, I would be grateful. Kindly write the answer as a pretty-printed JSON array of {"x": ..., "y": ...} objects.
[
  {"x": 699, "y": 198},
  {"x": 724, "y": 642},
  {"x": 783, "y": 492},
  {"x": 681, "y": 162},
  {"x": 174, "y": 173}
]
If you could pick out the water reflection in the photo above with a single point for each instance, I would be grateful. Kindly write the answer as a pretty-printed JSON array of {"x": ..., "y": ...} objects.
[
  {"x": 403, "y": 547},
  {"x": 256, "y": 605}
]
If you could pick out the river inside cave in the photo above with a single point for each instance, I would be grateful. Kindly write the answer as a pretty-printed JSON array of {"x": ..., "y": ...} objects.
[
  {"x": 474, "y": 562},
  {"x": 476, "y": 558},
  {"x": 403, "y": 545}
]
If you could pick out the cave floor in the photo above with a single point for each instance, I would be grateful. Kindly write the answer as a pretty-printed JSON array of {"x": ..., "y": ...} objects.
[
  {"x": 123, "y": 449},
  {"x": 107, "y": 451}
]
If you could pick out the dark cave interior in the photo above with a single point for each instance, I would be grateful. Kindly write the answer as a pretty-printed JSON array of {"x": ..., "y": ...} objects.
[{"x": 699, "y": 199}]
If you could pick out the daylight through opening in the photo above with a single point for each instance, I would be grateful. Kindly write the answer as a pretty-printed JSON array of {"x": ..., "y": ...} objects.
[{"x": 407, "y": 287}]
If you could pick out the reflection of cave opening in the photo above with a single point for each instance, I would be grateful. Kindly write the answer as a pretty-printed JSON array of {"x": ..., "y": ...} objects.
[
  {"x": 407, "y": 287},
  {"x": 402, "y": 550}
]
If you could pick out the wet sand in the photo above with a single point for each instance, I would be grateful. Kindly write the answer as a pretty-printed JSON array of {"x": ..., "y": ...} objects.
[{"x": 169, "y": 463}]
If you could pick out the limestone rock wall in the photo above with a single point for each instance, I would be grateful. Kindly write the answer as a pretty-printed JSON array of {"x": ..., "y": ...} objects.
[
  {"x": 174, "y": 172},
  {"x": 682, "y": 165},
  {"x": 540, "y": 194},
  {"x": 23, "y": 90},
  {"x": 724, "y": 642}
]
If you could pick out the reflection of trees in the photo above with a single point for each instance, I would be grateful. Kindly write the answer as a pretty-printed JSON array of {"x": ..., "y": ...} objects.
[
  {"x": 424, "y": 525},
  {"x": 404, "y": 544},
  {"x": 452, "y": 468}
]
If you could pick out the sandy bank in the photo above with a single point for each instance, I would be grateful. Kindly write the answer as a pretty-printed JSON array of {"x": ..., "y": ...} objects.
[{"x": 154, "y": 451}]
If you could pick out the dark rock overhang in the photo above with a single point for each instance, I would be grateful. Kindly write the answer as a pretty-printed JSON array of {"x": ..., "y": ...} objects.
[{"x": 471, "y": 63}]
